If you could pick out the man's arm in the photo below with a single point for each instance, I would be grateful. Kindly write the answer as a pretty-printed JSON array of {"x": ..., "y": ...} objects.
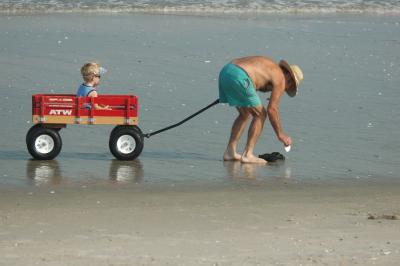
[{"x": 273, "y": 113}]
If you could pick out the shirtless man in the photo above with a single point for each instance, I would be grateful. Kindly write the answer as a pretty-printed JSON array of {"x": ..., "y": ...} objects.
[{"x": 239, "y": 82}]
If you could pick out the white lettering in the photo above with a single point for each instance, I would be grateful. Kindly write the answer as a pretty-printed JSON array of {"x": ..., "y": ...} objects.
[
  {"x": 60, "y": 112},
  {"x": 60, "y": 100}
]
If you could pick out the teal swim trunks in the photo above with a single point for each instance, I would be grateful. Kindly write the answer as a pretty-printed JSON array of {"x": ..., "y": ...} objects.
[{"x": 236, "y": 87}]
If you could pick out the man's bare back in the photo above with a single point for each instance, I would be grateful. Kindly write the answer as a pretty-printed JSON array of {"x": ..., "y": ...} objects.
[{"x": 264, "y": 72}]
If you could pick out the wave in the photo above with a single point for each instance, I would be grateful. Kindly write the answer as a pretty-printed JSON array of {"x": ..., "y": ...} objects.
[{"x": 200, "y": 7}]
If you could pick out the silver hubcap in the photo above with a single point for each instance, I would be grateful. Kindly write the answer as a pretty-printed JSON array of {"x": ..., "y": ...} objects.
[
  {"x": 126, "y": 144},
  {"x": 44, "y": 144}
]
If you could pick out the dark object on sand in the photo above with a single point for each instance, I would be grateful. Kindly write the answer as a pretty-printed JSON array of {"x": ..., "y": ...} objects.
[
  {"x": 272, "y": 157},
  {"x": 383, "y": 217}
]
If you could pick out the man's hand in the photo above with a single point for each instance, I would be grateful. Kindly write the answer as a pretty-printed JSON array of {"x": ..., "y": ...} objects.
[{"x": 286, "y": 140}]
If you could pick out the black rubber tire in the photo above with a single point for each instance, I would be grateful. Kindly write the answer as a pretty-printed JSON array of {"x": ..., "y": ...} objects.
[
  {"x": 132, "y": 127},
  {"x": 120, "y": 131},
  {"x": 37, "y": 131},
  {"x": 129, "y": 127},
  {"x": 32, "y": 129}
]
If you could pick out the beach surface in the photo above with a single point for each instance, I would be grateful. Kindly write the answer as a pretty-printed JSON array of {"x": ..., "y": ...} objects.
[
  {"x": 333, "y": 201},
  {"x": 244, "y": 222}
]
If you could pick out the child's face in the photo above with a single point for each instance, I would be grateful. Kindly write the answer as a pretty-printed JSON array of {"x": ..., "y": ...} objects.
[{"x": 96, "y": 80}]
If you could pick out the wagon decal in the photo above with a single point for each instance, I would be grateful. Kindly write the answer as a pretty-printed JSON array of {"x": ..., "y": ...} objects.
[{"x": 60, "y": 112}]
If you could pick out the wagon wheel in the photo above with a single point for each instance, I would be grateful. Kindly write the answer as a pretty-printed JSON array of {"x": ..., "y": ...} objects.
[
  {"x": 33, "y": 128},
  {"x": 43, "y": 143},
  {"x": 126, "y": 142},
  {"x": 132, "y": 127}
]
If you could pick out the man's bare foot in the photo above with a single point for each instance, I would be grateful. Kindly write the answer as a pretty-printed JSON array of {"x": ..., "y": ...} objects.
[
  {"x": 252, "y": 159},
  {"x": 231, "y": 156}
]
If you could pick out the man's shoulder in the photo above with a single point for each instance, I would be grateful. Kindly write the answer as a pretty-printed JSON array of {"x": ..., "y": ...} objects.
[
  {"x": 257, "y": 64},
  {"x": 268, "y": 61},
  {"x": 262, "y": 59}
]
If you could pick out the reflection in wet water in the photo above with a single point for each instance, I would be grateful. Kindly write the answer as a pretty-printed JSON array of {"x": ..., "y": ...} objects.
[
  {"x": 238, "y": 170},
  {"x": 41, "y": 173},
  {"x": 126, "y": 171},
  {"x": 234, "y": 170}
]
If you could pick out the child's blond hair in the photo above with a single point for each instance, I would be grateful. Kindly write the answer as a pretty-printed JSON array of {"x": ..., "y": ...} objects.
[{"x": 89, "y": 71}]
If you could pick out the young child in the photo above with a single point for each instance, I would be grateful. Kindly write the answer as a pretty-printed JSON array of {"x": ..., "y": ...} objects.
[{"x": 91, "y": 73}]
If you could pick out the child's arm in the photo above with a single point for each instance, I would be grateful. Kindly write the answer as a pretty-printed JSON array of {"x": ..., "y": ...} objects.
[
  {"x": 101, "y": 107},
  {"x": 98, "y": 106}
]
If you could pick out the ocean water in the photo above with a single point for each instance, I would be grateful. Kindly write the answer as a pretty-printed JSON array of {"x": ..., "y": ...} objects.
[
  {"x": 220, "y": 6},
  {"x": 344, "y": 122}
]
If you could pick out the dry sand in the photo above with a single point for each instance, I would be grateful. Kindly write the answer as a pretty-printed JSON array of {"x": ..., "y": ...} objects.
[{"x": 241, "y": 222}]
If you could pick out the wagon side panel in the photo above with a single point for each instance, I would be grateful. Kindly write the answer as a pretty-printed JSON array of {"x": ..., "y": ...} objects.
[
  {"x": 53, "y": 109},
  {"x": 69, "y": 109}
]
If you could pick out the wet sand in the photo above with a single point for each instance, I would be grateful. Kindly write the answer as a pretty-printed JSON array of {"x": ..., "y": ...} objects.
[
  {"x": 179, "y": 204},
  {"x": 243, "y": 222}
]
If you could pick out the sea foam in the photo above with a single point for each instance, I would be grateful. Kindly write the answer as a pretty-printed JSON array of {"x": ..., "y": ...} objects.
[{"x": 213, "y": 6}]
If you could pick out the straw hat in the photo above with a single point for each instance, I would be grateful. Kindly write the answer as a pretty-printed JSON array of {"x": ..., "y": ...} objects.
[{"x": 296, "y": 74}]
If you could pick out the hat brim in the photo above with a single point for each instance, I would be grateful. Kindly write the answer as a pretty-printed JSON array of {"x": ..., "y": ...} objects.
[
  {"x": 102, "y": 71},
  {"x": 292, "y": 91}
]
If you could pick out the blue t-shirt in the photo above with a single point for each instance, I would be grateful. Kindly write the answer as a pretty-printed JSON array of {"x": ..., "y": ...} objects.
[{"x": 84, "y": 90}]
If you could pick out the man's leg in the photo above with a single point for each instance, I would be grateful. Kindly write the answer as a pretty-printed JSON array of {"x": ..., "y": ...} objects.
[
  {"x": 237, "y": 129},
  {"x": 259, "y": 115}
]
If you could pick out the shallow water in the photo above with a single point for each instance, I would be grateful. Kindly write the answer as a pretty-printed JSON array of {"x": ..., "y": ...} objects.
[{"x": 344, "y": 122}]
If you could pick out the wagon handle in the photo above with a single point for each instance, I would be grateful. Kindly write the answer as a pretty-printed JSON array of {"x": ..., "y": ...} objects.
[{"x": 148, "y": 135}]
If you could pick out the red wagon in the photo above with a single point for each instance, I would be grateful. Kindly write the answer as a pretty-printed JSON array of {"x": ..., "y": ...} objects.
[{"x": 52, "y": 112}]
